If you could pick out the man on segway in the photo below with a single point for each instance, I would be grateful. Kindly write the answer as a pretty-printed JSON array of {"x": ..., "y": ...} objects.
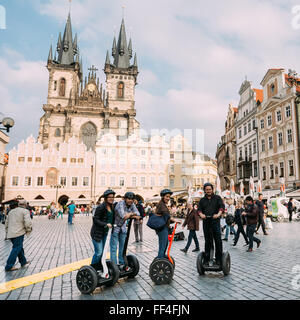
[
  {"x": 124, "y": 210},
  {"x": 210, "y": 209}
]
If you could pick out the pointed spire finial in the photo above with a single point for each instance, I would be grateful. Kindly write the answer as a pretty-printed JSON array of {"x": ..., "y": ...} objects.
[
  {"x": 135, "y": 61},
  {"x": 50, "y": 57},
  {"x": 107, "y": 60}
]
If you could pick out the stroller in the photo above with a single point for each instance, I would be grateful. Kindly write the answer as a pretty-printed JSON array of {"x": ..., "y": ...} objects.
[{"x": 52, "y": 214}]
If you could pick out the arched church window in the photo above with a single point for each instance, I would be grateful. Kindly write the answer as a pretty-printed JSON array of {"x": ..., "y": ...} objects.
[
  {"x": 120, "y": 90},
  {"x": 62, "y": 87},
  {"x": 55, "y": 85},
  {"x": 57, "y": 132}
]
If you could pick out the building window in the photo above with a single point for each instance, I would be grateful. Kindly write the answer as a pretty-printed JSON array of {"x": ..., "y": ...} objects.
[
  {"x": 289, "y": 136},
  {"x": 80, "y": 160},
  {"x": 241, "y": 153},
  {"x": 270, "y": 142},
  {"x": 249, "y": 126},
  {"x": 143, "y": 181},
  {"x": 183, "y": 183},
  {"x": 271, "y": 171},
  {"x": 269, "y": 120},
  {"x": 112, "y": 181},
  {"x": 122, "y": 182},
  {"x": 64, "y": 160},
  {"x": 21, "y": 159},
  {"x": 253, "y": 124},
  {"x": 29, "y": 159},
  {"x": 143, "y": 165},
  {"x": 281, "y": 167},
  {"x": 85, "y": 181},
  {"x": 57, "y": 132},
  {"x": 280, "y": 141},
  {"x": 172, "y": 156},
  {"x": 40, "y": 181},
  {"x": 55, "y": 85},
  {"x": 291, "y": 166},
  {"x": 103, "y": 165},
  {"x": 133, "y": 181},
  {"x": 63, "y": 181},
  {"x": 73, "y": 160},
  {"x": 288, "y": 111},
  {"x": 102, "y": 181},
  {"x": 161, "y": 181},
  {"x": 172, "y": 183},
  {"x": 152, "y": 181},
  {"x": 120, "y": 90},
  {"x": 62, "y": 87},
  {"x": 255, "y": 168},
  {"x": 272, "y": 88},
  {"x": 264, "y": 173},
  {"x": 74, "y": 181},
  {"x": 262, "y": 123},
  {"x": 240, "y": 133},
  {"x": 250, "y": 150},
  {"x": 27, "y": 181},
  {"x": 15, "y": 181},
  {"x": 113, "y": 165},
  {"x": 143, "y": 152},
  {"x": 38, "y": 159},
  {"x": 254, "y": 147},
  {"x": 263, "y": 145},
  {"x": 245, "y": 130},
  {"x": 278, "y": 115}
]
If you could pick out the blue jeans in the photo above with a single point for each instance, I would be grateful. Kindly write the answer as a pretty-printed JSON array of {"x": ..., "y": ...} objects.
[
  {"x": 192, "y": 235},
  {"x": 231, "y": 228},
  {"x": 114, "y": 240},
  {"x": 70, "y": 218},
  {"x": 162, "y": 242},
  {"x": 16, "y": 252},
  {"x": 99, "y": 247}
]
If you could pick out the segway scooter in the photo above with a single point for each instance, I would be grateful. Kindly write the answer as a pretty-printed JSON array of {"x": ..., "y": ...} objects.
[
  {"x": 131, "y": 264},
  {"x": 161, "y": 270},
  {"x": 211, "y": 265},
  {"x": 88, "y": 278}
]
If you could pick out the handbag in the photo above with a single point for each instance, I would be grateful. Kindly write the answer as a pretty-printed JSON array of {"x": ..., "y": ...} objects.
[{"x": 156, "y": 222}]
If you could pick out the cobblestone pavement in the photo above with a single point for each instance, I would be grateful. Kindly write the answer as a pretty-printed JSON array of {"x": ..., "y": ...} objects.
[{"x": 264, "y": 274}]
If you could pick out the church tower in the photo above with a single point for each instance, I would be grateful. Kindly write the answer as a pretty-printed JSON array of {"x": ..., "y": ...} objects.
[
  {"x": 65, "y": 77},
  {"x": 121, "y": 79}
]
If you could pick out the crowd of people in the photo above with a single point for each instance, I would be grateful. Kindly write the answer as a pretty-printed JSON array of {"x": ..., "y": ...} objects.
[{"x": 219, "y": 216}]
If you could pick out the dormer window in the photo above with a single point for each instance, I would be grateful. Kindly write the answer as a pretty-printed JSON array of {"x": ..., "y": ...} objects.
[{"x": 272, "y": 88}]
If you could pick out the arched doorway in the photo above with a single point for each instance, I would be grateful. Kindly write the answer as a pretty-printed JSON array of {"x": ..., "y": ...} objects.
[{"x": 63, "y": 200}]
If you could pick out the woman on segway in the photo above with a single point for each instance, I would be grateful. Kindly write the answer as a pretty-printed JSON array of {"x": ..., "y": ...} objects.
[
  {"x": 103, "y": 219},
  {"x": 163, "y": 210}
]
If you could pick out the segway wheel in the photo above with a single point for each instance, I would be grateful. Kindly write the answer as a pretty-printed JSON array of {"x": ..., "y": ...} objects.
[
  {"x": 113, "y": 272},
  {"x": 226, "y": 263},
  {"x": 134, "y": 264},
  {"x": 200, "y": 261},
  {"x": 86, "y": 279},
  {"x": 161, "y": 271}
]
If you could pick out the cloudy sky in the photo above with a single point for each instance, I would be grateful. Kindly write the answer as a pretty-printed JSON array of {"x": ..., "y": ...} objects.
[{"x": 193, "y": 55}]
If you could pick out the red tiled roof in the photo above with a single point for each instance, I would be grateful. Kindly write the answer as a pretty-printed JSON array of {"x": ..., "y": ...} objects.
[
  {"x": 259, "y": 95},
  {"x": 290, "y": 84}
]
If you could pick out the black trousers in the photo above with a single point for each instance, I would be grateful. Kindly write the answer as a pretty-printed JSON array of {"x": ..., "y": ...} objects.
[
  {"x": 242, "y": 231},
  {"x": 261, "y": 223},
  {"x": 291, "y": 215},
  {"x": 212, "y": 232}
]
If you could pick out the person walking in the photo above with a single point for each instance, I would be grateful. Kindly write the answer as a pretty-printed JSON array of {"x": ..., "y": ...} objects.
[
  {"x": 1, "y": 214},
  {"x": 229, "y": 220},
  {"x": 210, "y": 209},
  {"x": 60, "y": 212},
  {"x": 124, "y": 210},
  {"x": 138, "y": 224},
  {"x": 103, "y": 220},
  {"x": 238, "y": 220},
  {"x": 192, "y": 223},
  {"x": 71, "y": 212},
  {"x": 261, "y": 221},
  {"x": 251, "y": 213},
  {"x": 290, "y": 207},
  {"x": 17, "y": 224}
]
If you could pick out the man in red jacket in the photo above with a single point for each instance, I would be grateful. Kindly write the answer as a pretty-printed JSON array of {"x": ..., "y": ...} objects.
[{"x": 251, "y": 212}]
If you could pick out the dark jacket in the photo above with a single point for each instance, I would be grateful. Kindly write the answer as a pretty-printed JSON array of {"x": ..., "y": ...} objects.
[
  {"x": 252, "y": 214},
  {"x": 290, "y": 206},
  {"x": 212, "y": 206},
  {"x": 163, "y": 210},
  {"x": 260, "y": 205},
  {"x": 238, "y": 218},
  {"x": 100, "y": 222},
  {"x": 192, "y": 220}
]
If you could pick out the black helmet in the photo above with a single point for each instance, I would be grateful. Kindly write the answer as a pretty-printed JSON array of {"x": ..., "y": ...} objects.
[
  {"x": 108, "y": 192},
  {"x": 129, "y": 195},
  {"x": 208, "y": 184},
  {"x": 165, "y": 191}
]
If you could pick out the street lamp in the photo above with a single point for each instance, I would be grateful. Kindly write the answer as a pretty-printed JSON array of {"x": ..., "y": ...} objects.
[
  {"x": 57, "y": 186},
  {"x": 7, "y": 123}
]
